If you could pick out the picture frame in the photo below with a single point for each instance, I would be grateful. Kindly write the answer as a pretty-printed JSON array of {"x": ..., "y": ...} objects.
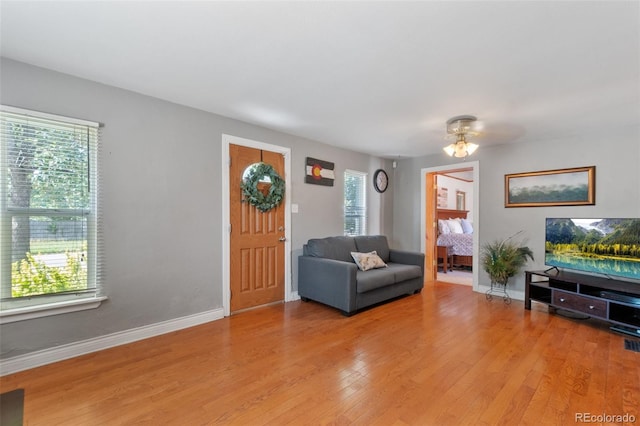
[
  {"x": 443, "y": 197},
  {"x": 561, "y": 187}
]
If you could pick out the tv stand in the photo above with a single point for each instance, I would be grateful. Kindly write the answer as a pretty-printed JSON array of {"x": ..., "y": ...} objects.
[{"x": 614, "y": 301}]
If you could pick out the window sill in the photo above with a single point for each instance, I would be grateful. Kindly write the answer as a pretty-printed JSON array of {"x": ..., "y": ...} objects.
[{"x": 49, "y": 309}]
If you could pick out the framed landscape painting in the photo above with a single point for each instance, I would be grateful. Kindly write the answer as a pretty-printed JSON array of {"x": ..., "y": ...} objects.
[{"x": 564, "y": 187}]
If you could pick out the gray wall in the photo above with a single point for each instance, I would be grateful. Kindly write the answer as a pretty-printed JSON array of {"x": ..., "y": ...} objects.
[
  {"x": 161, "y": 203},
  {"x": 617, "y": 187},
  {"x": 162, "y": 208}
]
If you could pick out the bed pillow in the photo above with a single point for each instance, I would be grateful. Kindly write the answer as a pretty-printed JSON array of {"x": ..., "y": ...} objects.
[
  {"x": 467, "y": 228},
  {"x": 454, "y": 226},
  {"x": 443, "y": 228},
  {"x": 366, "y": 261}
]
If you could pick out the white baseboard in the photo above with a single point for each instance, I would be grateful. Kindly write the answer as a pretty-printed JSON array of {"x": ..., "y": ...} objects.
[
  {"x": 60, "y": 353},
  {"x": 514, "y": 294}
]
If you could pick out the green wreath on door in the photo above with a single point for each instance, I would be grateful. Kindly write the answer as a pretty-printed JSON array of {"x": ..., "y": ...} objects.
[{"x": 255, "y": 197}]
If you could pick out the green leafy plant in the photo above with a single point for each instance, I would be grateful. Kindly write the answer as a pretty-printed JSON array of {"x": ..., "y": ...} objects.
[
  {"x": 502, "y": 259},
  {"x": 30, "y": 277}
]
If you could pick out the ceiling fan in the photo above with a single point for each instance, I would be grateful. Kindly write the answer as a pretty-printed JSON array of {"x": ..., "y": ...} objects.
[{"x": 460, "y": 128}]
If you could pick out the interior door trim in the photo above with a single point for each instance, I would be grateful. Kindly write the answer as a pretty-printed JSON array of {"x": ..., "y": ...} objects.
[
  {"x": 475, "y": 165},
  {"x": 226, "y": 216}
]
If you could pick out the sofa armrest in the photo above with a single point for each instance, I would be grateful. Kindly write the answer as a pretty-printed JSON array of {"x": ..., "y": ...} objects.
[
  {"x": 332, "y": 282},
  {"x": 407, "y": 258}
]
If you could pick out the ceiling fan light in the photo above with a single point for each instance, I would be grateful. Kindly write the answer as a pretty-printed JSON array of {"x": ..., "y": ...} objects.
[
  {"x": 461, "y": 149},
  {"x": 461, "y": 127},
  {"x": 450, "y": 149},
  {"x": 471, "y": 148}
]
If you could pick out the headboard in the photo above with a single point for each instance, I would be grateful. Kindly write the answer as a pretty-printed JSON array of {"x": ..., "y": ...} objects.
[{"x": 445, "y": 214}]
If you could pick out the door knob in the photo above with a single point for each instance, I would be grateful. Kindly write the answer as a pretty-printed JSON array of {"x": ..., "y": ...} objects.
[{"x": 282, "y": 239}]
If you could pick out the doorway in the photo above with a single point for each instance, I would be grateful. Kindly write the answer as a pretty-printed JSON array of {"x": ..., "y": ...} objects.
[
  {"x": 429, "y": 220},
  {"x": 256, "y": 246}
]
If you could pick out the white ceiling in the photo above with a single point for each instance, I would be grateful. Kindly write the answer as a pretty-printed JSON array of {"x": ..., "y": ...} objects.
[{"x": 375, "y": 77}]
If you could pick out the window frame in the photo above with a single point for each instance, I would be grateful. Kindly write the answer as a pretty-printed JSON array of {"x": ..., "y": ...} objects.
[
  {"x": 23, "y": 308},
  {"x": 363, "y": 179}
]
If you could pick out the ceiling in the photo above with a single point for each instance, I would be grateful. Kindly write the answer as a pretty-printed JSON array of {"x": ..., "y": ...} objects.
[{"x": 375, "y": 77}]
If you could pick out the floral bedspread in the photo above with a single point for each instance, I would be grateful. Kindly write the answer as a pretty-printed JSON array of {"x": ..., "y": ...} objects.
[{"x": 462, "y": 243}]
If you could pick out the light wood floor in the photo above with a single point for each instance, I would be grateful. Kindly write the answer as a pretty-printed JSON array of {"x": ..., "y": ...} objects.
[{"x": 446, "y": 356}]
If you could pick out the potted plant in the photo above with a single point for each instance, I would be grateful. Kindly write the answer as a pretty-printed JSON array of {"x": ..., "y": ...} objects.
[{"x": 502, "y": 259}]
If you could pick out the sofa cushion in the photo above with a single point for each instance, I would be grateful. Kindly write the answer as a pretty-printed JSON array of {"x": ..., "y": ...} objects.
[
  {"x": 377, "y": 243},
  {"x": 373, "y": 279},
  {"x": 404, "y": 272},
  {"x": 336, "y": 248},
  {"x": 366, "y": 261}
]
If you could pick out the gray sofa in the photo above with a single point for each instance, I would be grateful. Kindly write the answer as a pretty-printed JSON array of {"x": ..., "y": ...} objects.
[{"x": 328, "y": 274}]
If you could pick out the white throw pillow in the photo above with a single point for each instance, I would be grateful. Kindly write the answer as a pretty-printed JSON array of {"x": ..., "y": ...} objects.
[
  {"x": 443, "y": 228},
  {"x": 454, "y": 226},
  {"x": 366, "y": 261}
]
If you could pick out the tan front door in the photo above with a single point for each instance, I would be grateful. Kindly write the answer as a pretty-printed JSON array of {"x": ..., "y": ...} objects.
[{"x": 257, "y": 238}]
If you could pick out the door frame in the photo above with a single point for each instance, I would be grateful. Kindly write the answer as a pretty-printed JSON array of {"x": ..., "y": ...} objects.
[
  {"x": 475, "y": 165},
  {"x": 226, "y": 215}
]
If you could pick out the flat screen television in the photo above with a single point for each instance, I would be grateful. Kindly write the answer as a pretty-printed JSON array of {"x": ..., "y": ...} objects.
[{"x": 609, "y": 246}]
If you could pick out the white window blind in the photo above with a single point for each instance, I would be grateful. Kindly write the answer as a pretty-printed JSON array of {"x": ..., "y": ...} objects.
[
  {"x": 355, "y": 203},
  {"x": 49, "y": 217}
]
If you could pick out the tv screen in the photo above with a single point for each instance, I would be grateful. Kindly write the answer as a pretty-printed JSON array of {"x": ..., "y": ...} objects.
[{"x": 603, "y": 246}]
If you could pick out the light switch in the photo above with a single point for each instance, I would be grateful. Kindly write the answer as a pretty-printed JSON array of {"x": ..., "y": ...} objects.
[{"x": 294, "y": 208}]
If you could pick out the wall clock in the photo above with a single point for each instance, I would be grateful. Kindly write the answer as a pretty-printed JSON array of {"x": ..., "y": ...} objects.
[{"x": 380, "y": 180}]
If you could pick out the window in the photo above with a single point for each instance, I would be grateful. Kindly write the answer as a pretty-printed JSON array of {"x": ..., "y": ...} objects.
[
  {"x": 48, "y": 209},
  {"x": 355, "y": 203}
]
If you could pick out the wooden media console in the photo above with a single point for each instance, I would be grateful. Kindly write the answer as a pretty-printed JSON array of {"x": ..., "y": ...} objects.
[{"x": 615, "y": 301}]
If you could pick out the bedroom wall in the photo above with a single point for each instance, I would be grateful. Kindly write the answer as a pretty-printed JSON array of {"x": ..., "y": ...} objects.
[
  {"x": 453, "y": 185},
  {"x": 617, "y": 187},
  {"x": 161, "y": 203}
]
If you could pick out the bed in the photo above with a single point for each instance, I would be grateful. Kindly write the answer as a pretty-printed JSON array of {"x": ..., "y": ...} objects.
[{"x": 461, "y": 244}]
